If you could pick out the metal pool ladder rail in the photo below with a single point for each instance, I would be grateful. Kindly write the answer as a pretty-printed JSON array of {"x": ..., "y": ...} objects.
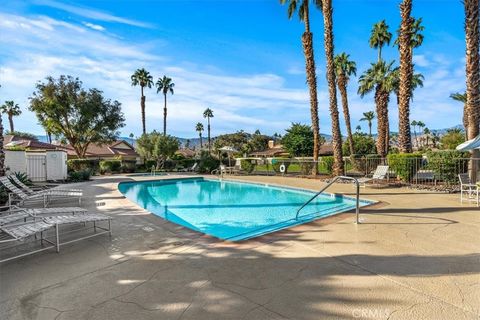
[{"x": 357, "y": 205}]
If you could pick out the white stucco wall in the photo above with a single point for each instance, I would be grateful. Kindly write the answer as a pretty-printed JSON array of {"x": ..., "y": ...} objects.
[{"x": 15, "y": 161}]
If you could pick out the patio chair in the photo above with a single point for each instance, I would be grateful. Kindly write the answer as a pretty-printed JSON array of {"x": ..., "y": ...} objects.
[
  {"x": 380, "y": 173},
  {"x": 18, "y": 195},
  {"x": 20, "y": 231},
  {"x": 32, "y": 190},
  {"x": 468, "y": 187},
  {"x": 424, "y": 176},
  {"x": 14, "y": 213}
]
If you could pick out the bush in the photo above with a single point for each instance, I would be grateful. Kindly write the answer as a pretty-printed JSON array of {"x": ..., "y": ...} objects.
[
  {"x": 247, "y": 165},
  {"x": 128, "y": 166},
  {"x": 82, "y": 164},
  {"x": 110, "y": 166},
  {"x": 448, "y": 164},
  {"x": 207, "y": 163},
  {"x": 306, "y": 167},
  {"x": 277, "y": 162},
  {"x": 405, "y": 165},
  {"x": 363, "y": 144},
  {"x": 326, "y": 164},
  {"x": 80, "y": 175}
]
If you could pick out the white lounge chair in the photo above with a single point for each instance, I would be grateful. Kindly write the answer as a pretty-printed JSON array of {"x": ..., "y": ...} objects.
[
  {"x": 32, "y": 190},
  {"x": 469, "y": 188},
  {"x": 380, "y": 173},
  {"x": 20, "y": 231},
  {"x": 18, "y": 195},
  {"x": 15, "y": 214}
]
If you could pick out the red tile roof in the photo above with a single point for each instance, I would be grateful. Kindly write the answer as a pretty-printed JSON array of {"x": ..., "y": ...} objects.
[{"x": 105, "y": 150}]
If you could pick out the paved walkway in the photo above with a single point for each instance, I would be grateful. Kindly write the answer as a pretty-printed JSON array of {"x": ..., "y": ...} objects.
[{"x": 415, "y": 256}]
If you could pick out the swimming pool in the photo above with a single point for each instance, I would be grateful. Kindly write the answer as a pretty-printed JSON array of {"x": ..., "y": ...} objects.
[{"x": 231, "y": 210}]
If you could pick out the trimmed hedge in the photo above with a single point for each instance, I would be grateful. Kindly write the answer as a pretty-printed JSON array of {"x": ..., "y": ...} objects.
[
  {"x": 405, "y": 165},
  {"x": 110, "y": 166},
  {"x": 247, "y": 165},
  {"x": 82, "y": 164},
  {"x": 448, "y": 164},
  {"x": 326, "y": 164},
  {"x": 80, "y": 175}
]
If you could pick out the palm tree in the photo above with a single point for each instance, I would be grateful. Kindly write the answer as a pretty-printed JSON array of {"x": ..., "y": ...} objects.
[
  {"x": 344, "y": 68},
  {"x": 165, "y": 85},
  {"x": 142, "y": 78},
  {"x": 368, "y": 116},
  {"x": 379, "y": 78},
  {"x": 420, "y": 125},
  {"x": 208, "y": 113},
  {"x": 11, "y": 109},
  {"x": 409, "y": 38},
  {"x": 379, "y": 37},
  {"x": 338, "y": 168},
  {"x": 414, "y": 124},
  {"x": 427, "y": 133},
  {"x": 199, "y": 129},
  {"x": 307, "y": 42},
  {"x": 462, "y": 97},
  {"x": 472, "y": 38},
  {"x": 358, "y": 129}
]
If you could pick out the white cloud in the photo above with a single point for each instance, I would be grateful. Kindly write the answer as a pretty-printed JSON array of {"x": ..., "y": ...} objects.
[
  {"x": 91, "y": 14},
  {"x": 420, "y": 61},
  {"x": 94, "y": 26}
]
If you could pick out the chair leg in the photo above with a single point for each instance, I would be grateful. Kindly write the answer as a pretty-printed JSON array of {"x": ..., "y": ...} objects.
[{"x": 57, "y": 238}]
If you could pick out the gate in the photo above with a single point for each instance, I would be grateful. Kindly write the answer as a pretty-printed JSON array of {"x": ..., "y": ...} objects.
[{"x": 36, "y": 167}]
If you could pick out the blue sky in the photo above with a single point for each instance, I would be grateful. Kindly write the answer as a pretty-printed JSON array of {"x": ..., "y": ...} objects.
[{"x": 241, "y": 58}]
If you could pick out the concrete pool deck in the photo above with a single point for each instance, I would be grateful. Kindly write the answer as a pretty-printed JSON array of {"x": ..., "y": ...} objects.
[{"x": 415, "y": 256}]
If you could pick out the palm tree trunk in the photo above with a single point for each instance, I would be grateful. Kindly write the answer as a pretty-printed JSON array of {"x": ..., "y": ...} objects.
[
  {"x": 165, "y": 115},
  {"x": 472, "y": 37},
  {"x": 208, "y": 128},
  {"x": 142, "y": 107},
  {"x": 465, "y": 120},
  {"x": 2, "y": 152},
  {"x": 370, "y": 128},
  {"x": 338, "y": 168},
  {"x": 406, "y": 75},
  {"x": 342, "y": 86},
  {"x": 200, "y": 135},
  {"x": 307, "y": 42},
  {"x": 10, "y": 120},
  {"x": 381, "y": 101}
]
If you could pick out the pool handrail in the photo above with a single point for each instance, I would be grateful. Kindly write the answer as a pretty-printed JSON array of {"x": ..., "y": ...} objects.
[{"x": 357, "y": 204}]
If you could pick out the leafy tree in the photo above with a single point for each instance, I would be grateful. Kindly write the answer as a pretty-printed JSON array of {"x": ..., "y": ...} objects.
[
  {"x": 452, "y": 139},
  {"x": 364, "y": 144},
  {"x": 11, "y": 109},
  {"x": 298, "y": 140},
  {"x": 307, "y": 42},
  {"x": 368, "y": 116},
  {"x": 165, "y": 85},
  {"x": 462, "y": 97},
  {"x": 142, "y": 78},
  {"x": 208, "y": 113},
  {"x": 24, "y": 135},
  {"x": 344, "y": 69},
  {"x": 199, "y": 129},
  {"x": 78, "y": 115},
  {"x": 158, "y": 147}
]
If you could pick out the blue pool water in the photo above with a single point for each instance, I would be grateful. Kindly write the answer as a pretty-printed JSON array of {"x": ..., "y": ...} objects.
[{"x": 231, "y": 210}]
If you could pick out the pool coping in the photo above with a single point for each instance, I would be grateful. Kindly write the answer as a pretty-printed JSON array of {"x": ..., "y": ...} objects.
[{"x": 256, "y": 238}]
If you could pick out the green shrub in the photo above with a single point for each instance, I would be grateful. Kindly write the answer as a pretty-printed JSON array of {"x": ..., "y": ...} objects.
[
  {"x": 82, "y": 164},
  {"x": 247, "y": 165},
  {"x": 448, "y": 164},
  {"x": 110, "y": 166},
  {"x": 128, "y": 166},
  {"x": 23, "y": 177},
  {"x": 207, "y": 164},
  {"x": 306, "y": 167},
  {"x": 80, "y": 175},
  {"x": 405, "y": 165},
  {"x": 326, "y": 164},
  {"x": 277, "y": 162}
]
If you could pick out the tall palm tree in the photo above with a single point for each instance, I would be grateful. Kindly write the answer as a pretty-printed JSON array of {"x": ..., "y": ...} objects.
[
  {"x": 344, "y": 68},
  {"x": 462, "y": 97},
  {"x": 142, "y": 78},
  {"x": 307, "y": 42},
  {"x": 11, "y": 109},
  {"x": 165, "y": 85},
  {"x": 338, "y": 168},
  {"x": 420, "y": 126},
  {"x": 379, "y": 37},
  {"x": 199, "y": 129},
  {"x": 427, "y": 133},
  {"x": 409, "y": 38},
  {"x": 368, "y": 116},
  {"x": 414, "y": 124},
  {"x": 208, "y": 113},
  {"x": 379, "y": 78},
  {"x": 472, "y": 37},
  {"x": 358, "y": 128}
]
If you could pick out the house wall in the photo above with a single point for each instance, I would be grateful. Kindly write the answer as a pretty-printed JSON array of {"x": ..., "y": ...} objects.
[{"x": 15, "y": 161}]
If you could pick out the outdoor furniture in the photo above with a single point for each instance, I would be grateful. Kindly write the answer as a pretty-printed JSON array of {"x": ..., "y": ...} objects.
[
  {"x": 14, "y": 213},
  {"x": 468, "y": 187},
  {"x": 19, "y": 196},
  {"x": 30, "y": 190},
  {"x": 380, "y": 173},
  {"x": 20, "y": 231},
  {"x": 425, "y": 175}
]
